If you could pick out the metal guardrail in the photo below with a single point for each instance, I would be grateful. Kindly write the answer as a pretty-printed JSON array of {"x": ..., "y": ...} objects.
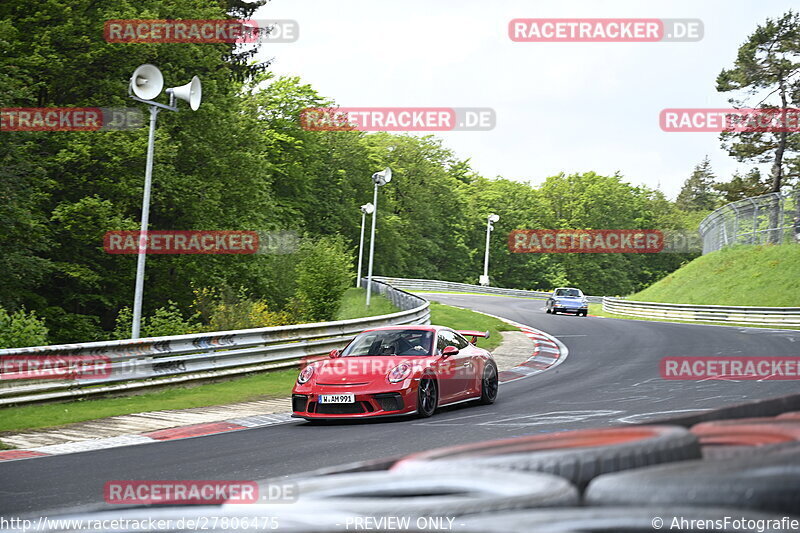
[
  {"x": 141, "y": 363},
  {"x": 766, "y": 219},
  {"x": 135, "y": 364},
  {"x": 762, "y": 316},
  {"x": 451, "y": 286}
]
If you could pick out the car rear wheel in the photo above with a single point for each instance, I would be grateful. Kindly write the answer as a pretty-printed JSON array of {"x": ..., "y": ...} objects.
[
  {"x": 489, "y": 385},
  {"x": 427, "y": 397}
]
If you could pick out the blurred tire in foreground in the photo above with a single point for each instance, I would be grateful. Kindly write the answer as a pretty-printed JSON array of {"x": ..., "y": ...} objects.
[
  {"x": 747, "y": 431},
  {"x": 768, "y": 481},
  {"x": 578, "y": 456},
  {"x": 438, "y": 493}
]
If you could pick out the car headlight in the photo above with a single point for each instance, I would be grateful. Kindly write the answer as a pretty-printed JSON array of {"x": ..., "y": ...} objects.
[
  {"x": 305, "y": 374},
  {"x": 399, "y": 373}
]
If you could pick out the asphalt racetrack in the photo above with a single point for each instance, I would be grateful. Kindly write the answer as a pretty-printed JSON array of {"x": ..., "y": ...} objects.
[{"x": 611, "y": 376}]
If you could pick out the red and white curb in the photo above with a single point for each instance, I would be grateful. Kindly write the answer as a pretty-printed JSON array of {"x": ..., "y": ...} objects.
[
  {"x": 548, "y": 352},
  {"x": 184, "y": 432}
]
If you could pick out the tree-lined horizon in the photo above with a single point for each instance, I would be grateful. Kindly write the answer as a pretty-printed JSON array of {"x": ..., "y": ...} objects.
[{"x": 243, "y": 162}]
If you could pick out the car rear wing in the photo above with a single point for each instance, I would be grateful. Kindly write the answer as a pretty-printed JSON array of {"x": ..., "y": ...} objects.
[{"x": 474, "y": 334}]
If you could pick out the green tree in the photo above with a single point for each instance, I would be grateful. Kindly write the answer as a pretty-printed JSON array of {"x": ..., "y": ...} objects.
[
  {"x": 20, "y": 329},
  {"x": 592, "y": 201},
  {"x": 324, "y": 272},
  {"x": 225, "y": 310},
  {"x": 209, "y": 169},
  {"x": 421, "y": 213},
  {"x": 519, "y": 206},
  {"x": 698, "y": 192},
  {"x": 165, "y": 321},
  {"x": 740, "y": 187},
  {"x": 24, "y": 187},
  {"x": 767, "y": 63}
]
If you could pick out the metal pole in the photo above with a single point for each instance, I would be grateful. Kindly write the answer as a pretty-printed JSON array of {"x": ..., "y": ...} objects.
[
  {"x": 361, "y": 248},
  {"x": 486, "y": 255},
  {"x": 148, "y": 177},
  {"x": 372, "y": 244}
]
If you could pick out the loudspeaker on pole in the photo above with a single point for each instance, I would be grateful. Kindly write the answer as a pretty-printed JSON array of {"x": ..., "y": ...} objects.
[
  {"x": 147, "y": 82},
  {"x": 192, "y": 92}
]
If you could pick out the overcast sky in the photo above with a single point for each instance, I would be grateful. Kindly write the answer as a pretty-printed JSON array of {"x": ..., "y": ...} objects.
[{"x": 561, "y": 107}]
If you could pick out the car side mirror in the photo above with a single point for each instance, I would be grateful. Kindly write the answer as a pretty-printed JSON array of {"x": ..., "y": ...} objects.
[
  {"x": 449, "y": 350},
  {"x": 335, "y": 354}
]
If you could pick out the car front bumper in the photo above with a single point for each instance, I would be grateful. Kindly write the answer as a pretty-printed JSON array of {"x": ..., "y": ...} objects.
[
  {"x": 368, "y": 403},
  {"x": 570, "y": 309}
]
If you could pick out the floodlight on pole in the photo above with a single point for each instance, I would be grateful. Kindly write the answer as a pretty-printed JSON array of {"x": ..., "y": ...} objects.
[
  {"x": 379, "y": 179},
  {"x": 484, "y": 280},
  {"x": 366, "y": 209},
  {"x": 145, "y": 84}
]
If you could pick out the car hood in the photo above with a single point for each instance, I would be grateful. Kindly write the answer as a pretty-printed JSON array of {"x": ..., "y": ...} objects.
[{"x": 362, "y": 369}]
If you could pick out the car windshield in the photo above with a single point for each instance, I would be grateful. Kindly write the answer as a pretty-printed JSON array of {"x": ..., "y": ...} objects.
[
  {"x": 391, "y": 342},
  {"x": 568, "y": 292}
]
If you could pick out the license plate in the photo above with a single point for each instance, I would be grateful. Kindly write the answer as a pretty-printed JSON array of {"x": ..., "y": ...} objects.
[{"x": 337, "y": 398}]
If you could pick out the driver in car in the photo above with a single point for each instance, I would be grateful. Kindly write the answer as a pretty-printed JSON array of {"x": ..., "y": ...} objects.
[{"x": 410, "y": 344}]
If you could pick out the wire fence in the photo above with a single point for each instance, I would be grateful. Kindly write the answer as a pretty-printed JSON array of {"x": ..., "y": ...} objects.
[{"x": 768, "y": 219}]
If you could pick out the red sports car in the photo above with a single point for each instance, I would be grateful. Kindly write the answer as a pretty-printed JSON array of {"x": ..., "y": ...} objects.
[{"x": 397, "y": 370}]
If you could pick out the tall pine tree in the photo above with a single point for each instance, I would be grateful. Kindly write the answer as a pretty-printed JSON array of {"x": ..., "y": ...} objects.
[
  {"x": 766, "y": 69},
  {"x": 697, "y": 193}
]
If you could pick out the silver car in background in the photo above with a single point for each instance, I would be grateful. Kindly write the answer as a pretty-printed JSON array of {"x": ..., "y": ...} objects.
[{"x": 567, "y": 300}]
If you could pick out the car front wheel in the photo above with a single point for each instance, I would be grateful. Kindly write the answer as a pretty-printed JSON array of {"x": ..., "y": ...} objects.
[{"x": 427, "y": 397}]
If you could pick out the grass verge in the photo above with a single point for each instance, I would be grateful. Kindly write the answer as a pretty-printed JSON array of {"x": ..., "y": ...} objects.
[
  {"x": 277, "y": 384},
  {"x": 354, "y": 305},
  {"x": 741, "y": 275},
  {"x": 453, "y": 317}
]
